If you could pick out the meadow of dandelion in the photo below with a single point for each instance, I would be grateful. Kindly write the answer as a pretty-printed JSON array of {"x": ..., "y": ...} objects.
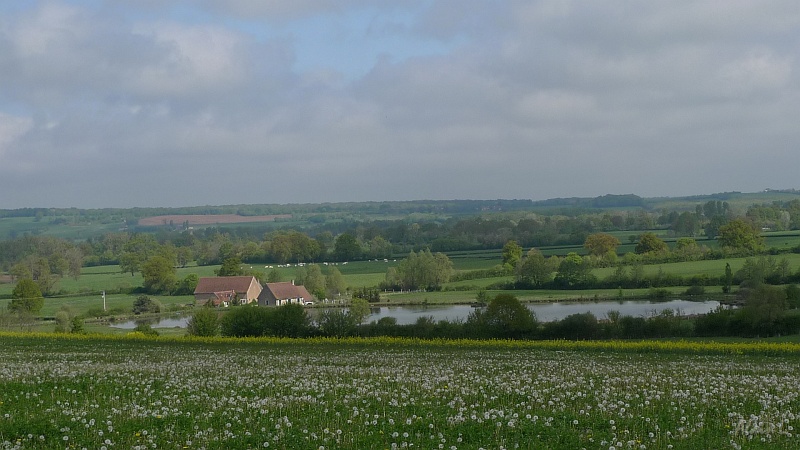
[{"x": 100, "y": 393}]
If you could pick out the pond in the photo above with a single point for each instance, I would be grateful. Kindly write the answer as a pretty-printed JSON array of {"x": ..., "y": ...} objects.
[
  {"x": 175, "y": 321},
  {"x": 545, "y": 312},
  {"x": 548, "y": 312}
]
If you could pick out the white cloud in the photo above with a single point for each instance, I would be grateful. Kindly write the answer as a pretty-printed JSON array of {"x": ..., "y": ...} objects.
[
  {"x": 192, "y": 58},
  {"x": 757, "y": 71},
  {"x": 46, "y": 29},
  {"x": 12, "y": 128},
  {"x": 478, "y": 99}
]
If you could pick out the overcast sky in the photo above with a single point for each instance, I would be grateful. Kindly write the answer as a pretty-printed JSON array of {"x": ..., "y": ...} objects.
[{"x": 125, "y": 103}]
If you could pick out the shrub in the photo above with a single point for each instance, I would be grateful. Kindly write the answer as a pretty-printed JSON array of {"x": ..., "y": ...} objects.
[
  {"x": 145, "y": 329},
  {"x": 289, "y": 321},
  {"x": 144, "y": 304},
  {"x": 695, "y": 290},
  {"x": 657, "y": 294},
  {"x": 76, "y": 327},
  {"x": 245, "y": 321},
  {"x": 62, "y": 321},
  {"x": 337, "y": 323},
  {"x": 204, "y": 322}
]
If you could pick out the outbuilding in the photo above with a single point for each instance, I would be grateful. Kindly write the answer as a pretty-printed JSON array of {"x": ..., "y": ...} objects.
[
  {"x": 284, "y": 293},
  {"x": 227, "y": 290}
]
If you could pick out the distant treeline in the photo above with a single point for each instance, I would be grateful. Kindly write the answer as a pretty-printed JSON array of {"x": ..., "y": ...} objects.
[
  {"x": 355, "y": 240},
  {"x": 568, "y": 206},
  {"x": 388, "y": 207}
]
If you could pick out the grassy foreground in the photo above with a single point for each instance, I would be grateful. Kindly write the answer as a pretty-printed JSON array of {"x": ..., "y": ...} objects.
[{"x": 115, "y": 392}]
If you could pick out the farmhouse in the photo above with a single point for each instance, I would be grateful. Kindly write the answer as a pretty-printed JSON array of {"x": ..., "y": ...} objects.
[
  {"x": 224, "y": 291},
  {"x": 277, "y": 294}
]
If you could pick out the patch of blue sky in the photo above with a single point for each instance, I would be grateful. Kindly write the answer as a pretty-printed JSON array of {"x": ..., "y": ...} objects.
[
  {"x": 17, "y": 6},
  {"x": 16, "y": 109},
  {"x": 349, "y": 43}
]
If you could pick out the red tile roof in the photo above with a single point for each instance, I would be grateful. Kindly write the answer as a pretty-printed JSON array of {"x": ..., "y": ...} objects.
[
  {"x": 210, "y": 285},
  {"x": 287, "y": 290}
]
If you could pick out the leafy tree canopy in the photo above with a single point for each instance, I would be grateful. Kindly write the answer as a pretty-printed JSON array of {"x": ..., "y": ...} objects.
[
  {"x": 649, "y": 242},
  {"x": 512, "y": 254},
  {"x": 231, "y": 267},
  {"x": 204, "y": 322},
  {"x": 741, "y": 235},
  {"x": 26, "y": 297},
  {"x": 159, "y": 275},
  {"x": 601, "y": 244}
]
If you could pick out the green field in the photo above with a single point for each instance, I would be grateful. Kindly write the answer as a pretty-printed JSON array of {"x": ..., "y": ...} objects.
[
  {"x": 83, "y": 294},
  {"x": 57, "y": 392},
  {"x": 705, "y": 267},
  {"x": 17, "y": 226}
]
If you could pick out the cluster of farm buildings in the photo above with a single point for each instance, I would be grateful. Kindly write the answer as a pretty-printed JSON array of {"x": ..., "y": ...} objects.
[{"x": 226, "y": 291}]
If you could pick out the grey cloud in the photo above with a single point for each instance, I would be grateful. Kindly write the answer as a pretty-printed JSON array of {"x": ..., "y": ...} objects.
[{"x": 529, "y": 100}]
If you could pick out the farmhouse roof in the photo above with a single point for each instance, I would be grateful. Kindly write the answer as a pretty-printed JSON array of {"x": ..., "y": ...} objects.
[
  {"x": 210, "y": 285},
  {"x": 288, "y": 290}
]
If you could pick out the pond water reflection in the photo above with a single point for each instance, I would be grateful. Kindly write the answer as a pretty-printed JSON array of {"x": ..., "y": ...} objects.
[
  {"x": 176, "y": 321},
  {"x": 545, "y": 312},
  {"x": 548, "y": 312}
]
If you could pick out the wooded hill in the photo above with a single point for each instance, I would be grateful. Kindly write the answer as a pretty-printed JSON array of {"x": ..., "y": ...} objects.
[{"x": 81, "y": 224}]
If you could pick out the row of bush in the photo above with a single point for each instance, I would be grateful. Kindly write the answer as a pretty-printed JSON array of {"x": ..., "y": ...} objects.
[{"x": 763, "y": 314}]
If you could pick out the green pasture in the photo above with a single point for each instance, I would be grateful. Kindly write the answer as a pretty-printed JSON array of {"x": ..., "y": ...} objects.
[
  {"x": 705, "y": 267},
  {"x": 11, "y": 227},
  {"x": 479, "y": 283},
  {"x": 781, "y": 240},
  {"x": 119, "y": 304},
  {"x": 100, "y": 326},
  {"x": 475, "y": 259},
  {"x": 17, "y": 226},
  {"x": 85, "y": 290},
  {"x": 738, "y": 201}
]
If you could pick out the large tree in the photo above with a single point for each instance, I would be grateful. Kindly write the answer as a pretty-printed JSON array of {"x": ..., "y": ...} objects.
[
  {"x": 650, "y": 243},
  {"x": 713, "y": 225},
  {"x": 230, "y": 267},
  {"x": 379, "y": 248},
  {"x": 359, "y": 309},
  {"x": 159, "y": 275},
  {"x": 37, "y": 268},
  {"x": 26, "y": 297},
  {"x": 139, "y": 248},
  {"x": 534, "y": 269},
  {"x": 741, "y": 235},
  {"x": 74, "y": 258},
  {"x": 334, "y": 283},
  {"x": 601, "y": 244},
  {"x": 686, "y": 224},
  {"x": 573, "y": 271},
  {"x": 347, "y": 248},
  {"x": 312, "y": 278},
  {"x": 512, "y": 254},
  {"x": 423, "y": 270}
]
